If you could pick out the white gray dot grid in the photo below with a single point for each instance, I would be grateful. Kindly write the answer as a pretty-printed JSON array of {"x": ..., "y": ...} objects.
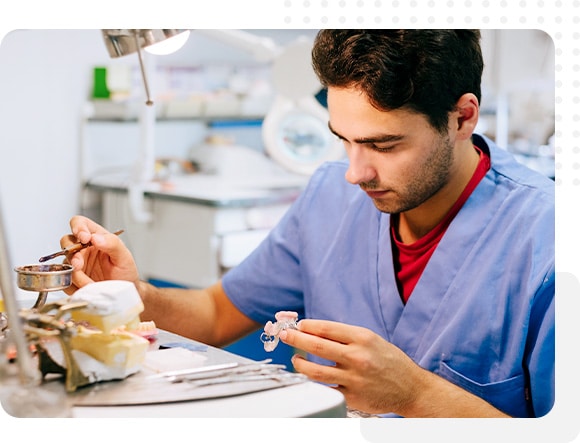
[{"x": 561, "y": 21}]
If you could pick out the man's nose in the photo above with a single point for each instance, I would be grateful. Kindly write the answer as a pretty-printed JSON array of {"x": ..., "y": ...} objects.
[{"x": 360, "y": 169}]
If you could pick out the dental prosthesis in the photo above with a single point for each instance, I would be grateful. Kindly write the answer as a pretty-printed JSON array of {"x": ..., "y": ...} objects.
[{"x": 270, "y": 336}]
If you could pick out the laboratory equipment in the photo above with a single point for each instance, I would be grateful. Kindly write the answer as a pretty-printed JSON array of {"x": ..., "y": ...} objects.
[
  {"x": 43, "y": 279},
  {"x": 21, "y": 393},
  {"x": 295, "y": 129}
]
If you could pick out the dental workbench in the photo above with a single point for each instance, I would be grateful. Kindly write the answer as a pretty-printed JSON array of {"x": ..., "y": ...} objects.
[
  {"x": 299, "y": 398},
  {"x": 96, "y": 359}
]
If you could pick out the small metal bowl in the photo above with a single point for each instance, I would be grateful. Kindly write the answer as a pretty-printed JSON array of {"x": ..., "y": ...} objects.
[{"x": 44, "y": 278}]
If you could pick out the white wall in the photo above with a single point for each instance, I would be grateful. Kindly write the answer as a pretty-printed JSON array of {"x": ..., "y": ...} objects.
[{"x": 45, "y": 79}]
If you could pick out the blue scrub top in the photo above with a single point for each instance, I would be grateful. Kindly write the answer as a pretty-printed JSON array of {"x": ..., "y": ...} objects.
[{"x": 482, "y": 313}]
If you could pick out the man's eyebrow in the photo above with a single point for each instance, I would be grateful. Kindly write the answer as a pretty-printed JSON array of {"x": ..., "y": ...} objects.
[{"x": 380, "y": 138}]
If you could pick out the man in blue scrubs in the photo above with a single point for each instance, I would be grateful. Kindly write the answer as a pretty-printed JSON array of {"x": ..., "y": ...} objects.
[{"x": 422, "y": 267}]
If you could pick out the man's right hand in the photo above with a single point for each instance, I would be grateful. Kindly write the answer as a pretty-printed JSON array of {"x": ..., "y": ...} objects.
[{"x": 107, "y": 259}]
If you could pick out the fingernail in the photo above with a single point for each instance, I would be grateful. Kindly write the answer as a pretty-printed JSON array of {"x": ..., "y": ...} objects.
[
  {"x": 83, "y": 236},
  {"x": 283, "y": 334}
]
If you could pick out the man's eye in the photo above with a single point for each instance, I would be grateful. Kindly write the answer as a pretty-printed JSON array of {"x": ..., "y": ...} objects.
[{"x": 383, "y": 148}]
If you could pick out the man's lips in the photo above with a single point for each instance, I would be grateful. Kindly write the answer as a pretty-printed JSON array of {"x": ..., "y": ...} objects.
[{"x": 375, "y": 193}]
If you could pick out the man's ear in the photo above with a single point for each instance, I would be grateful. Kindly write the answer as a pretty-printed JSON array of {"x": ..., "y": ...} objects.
[{"x": 467, "y": 115}]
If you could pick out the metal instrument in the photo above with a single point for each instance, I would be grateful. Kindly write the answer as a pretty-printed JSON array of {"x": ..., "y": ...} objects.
[
  {"x": 71, "y": 249},
  {"x": 44, "y": 279}
]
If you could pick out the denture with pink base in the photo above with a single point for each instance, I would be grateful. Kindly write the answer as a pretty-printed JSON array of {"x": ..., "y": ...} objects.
[{"x": 284, "y": 320}]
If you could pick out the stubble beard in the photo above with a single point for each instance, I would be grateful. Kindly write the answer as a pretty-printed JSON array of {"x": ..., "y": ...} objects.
[{"x": 431, "y": 175}]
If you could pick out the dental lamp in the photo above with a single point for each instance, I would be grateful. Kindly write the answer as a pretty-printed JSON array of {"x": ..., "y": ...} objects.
[
  {"x": 295, "y": 129},
  {"x": 122, "y": 42}
]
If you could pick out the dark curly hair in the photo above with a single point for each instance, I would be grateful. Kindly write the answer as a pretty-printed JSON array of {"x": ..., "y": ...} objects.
[{"x": 425, "y": 71}]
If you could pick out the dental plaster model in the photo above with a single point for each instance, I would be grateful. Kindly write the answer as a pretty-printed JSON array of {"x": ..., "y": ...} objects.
[
  {"x": 101, "y": 341},
  {"x": 111, "y": 304},
  {"x": 270, "y": 336}
]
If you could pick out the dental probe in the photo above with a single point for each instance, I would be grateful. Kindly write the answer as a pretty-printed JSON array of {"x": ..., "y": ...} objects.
[{"x": 72, "y": 248}]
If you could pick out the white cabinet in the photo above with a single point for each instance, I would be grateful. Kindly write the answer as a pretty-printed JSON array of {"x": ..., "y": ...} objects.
[{"x": 188, "y": 242}]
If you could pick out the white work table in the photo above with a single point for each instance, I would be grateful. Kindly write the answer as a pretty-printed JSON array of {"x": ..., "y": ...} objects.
[{"x": 305, "y": 399}]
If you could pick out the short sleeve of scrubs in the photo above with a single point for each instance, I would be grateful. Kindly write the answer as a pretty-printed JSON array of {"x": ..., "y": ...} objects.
[{"x": 269, "y": 279}]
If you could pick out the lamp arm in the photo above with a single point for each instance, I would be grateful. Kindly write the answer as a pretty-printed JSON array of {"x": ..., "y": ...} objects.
[{"x": 149, "y": 102}]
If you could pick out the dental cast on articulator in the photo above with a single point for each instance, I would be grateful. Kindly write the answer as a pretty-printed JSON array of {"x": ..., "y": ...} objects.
[{"x": 284, "y": 320}]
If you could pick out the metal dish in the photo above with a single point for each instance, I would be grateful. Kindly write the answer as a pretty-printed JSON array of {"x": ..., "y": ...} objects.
[{"x": 44, "y": 278}]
